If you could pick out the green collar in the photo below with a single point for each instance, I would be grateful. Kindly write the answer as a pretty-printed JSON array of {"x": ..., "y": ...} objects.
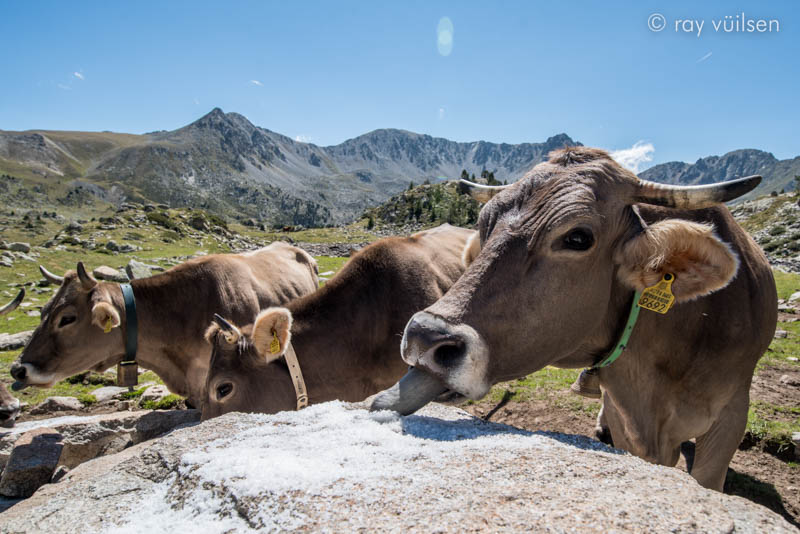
[
  {"x": 131, "y": 323},
  {"x": 626, "y": 334}
]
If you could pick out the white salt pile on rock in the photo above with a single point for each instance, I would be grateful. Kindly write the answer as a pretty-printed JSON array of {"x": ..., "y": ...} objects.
[{"x": 333, "y": 467}]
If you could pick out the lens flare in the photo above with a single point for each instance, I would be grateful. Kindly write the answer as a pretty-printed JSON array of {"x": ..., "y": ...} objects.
[{"x": 444, "y": 36}]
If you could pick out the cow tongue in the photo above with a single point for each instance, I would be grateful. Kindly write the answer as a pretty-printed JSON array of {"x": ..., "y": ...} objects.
[{"x": 411, "y": 393}]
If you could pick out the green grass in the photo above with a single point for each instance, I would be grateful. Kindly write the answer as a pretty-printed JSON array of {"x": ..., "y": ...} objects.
[
  {"x": 167, "y": 403},
  {"x": 787, "y": 283},
  {"x": 773, "y": 425}
]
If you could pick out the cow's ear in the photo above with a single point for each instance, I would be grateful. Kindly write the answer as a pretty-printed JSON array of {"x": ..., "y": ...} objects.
[
  {"x": 471, "y": 249},
  {"x": 272, "y": 333},
  {"x": 700, "y": 261},
  {"x": 105, "y": 316}
]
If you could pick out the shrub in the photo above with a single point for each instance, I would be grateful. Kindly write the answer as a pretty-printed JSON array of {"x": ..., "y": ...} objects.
[{"x": 87, "y": 399}]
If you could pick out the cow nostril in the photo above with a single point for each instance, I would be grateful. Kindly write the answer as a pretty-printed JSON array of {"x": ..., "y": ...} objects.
[
  {"x": 449, "y": 353},
  {"x": 19, "y": 373}
]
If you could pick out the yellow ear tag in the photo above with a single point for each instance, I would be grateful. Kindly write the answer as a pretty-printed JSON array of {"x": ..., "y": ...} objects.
[
  {"x": 275, "y": 345},
  {"x": 107, "y": 327},
  {"x": 658, "y": 298}
]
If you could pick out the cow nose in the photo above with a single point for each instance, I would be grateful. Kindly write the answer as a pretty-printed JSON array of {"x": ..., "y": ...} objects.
[
  {"x": 431, "y": 343},
  {"x": 19, "y": 372}
]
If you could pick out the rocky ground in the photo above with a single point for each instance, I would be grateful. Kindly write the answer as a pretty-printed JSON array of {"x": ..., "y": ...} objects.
[{"x": 334, "y": 467}]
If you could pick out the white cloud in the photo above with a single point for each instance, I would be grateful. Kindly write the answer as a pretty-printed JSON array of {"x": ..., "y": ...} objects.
[
  {"x": 256, "y": 82},
  {"x": 302, "y": 138},
  {"x": 705, "y": 57},
  {"x": 196, "y": 101},
  {"x": 634, "y": 157},
  {"x": 78, "y": 75},
  {"x": 441, "y": 113},
  {"x": 64, "y": 87}
]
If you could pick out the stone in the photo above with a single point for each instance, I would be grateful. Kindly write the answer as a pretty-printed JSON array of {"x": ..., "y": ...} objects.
[
  {"x": 796, "y": 441},
  {"x": 781, "y": 334},
  {"x": 137, "y": 269},
  {"x": 57, "y": 404},
  {"x": 59, "y": 473},
  {"x": 108, "y": 392},
  {"x": 19, "y": 247},
  {"x": 73, "y": 228},
  {"x": 104, "y": 272},
  {"x": 794, "y": 297},
  {"x": 87, "y": 437},
  {"x": 786, "y": 308},
  {"x": 5, "y": 262},
  {"x": 789, "y": 380},
  {"x": 334, "y": 467},
  {"x": 31, "y": 463},
  {"x": 154, "y": 393},
  {"x": 112, "y": 246},
  {"x": 15, "y": 341}
]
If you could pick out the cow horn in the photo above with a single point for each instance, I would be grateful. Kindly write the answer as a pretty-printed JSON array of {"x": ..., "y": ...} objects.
[
  {"x": 87, "y": 280},
  {"x": 11, "y": 306},
  {"x": 50, "y": 277},
  {"x": 480, "y": 192},
  {"x": 231, "y": 332},
  {"x": 693, "y": 196}
]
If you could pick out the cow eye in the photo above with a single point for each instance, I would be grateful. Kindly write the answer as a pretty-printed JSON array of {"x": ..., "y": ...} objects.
[
  {"x": 223, "y": 390},
  {"x": 65, "y": 320},
  {"x": 579, "y": 239}
]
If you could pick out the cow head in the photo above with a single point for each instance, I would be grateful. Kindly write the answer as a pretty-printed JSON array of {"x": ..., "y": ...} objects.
[
  {"x": 79, "y": 330},
  {"x": 243, "y": 360},
  {"x": 553, "y": 269}
]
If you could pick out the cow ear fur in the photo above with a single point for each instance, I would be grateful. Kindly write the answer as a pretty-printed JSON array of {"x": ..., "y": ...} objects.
[
  {"x": 102, "y": 312},
  {"x": 700, "y": 261},
  {"x": 471, "y": 249},
  {"x": 277, "y": 320}
]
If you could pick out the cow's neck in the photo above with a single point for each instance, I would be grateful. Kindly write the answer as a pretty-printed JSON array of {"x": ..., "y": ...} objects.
[
  {"x": 343, "y": 339},
  {"x": 170, "y": 341}
]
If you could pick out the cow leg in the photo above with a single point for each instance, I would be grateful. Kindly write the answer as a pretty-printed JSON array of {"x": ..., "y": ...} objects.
[
  {"x": 715, "y": 449},
  {"x": 602, "y": 432}
]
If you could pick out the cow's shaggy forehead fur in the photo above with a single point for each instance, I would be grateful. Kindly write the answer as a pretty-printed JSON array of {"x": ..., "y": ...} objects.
[{"x": 566, "y": 187}]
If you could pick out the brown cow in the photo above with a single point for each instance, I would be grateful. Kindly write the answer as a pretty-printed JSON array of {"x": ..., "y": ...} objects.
[
  {"x": 562, "y": 252},
  {"x": 9, "y": 405},
  {"x": 173, "y": 309},
  {"x": 346, "y": 335}
]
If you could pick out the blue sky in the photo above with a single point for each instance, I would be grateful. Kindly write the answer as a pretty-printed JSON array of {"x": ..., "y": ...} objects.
[{"x": 328, "y": 71}]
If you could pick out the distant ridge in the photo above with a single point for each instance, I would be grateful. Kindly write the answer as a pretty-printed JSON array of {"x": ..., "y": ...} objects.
[{"x": 224, "y": 163}]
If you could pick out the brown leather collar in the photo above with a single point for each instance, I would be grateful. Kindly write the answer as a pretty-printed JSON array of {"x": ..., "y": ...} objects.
[{"x": 297, "y": 376}]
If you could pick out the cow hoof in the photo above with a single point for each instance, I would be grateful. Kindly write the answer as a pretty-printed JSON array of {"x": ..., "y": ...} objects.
[
  {"x": 603, "y": 435},
  {"x": 587, "y": 384}
]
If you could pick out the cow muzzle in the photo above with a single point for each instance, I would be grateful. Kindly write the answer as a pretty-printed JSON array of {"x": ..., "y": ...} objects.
[
  {"x": 9, "y": 414},
  {"x": 26, "y": 375},
  {"x": 454, "y": 353}
]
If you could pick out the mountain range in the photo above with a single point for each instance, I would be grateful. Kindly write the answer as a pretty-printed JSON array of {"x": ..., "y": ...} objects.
[{"x": 225, "y": 164}]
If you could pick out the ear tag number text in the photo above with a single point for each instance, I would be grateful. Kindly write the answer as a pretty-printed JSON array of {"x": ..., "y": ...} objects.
[{"x": 659, "y": 297}]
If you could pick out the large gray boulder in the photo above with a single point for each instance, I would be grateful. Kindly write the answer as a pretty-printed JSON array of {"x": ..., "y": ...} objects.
[
  {"x": 334, "y": 467},
  {"x": 87, "y": 437},
  {"x": 15, "y": 341},
  {"x": 32, "y": 462}
]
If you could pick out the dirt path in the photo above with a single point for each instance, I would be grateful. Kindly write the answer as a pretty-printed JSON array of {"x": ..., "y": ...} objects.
[{"x": 754, "y": 474}]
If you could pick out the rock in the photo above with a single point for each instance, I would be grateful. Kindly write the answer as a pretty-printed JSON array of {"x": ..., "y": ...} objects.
[
  {"x": 87, "y": 437},
  {"x": 112, "y": 246},
  {"x": 15, "y": 341},
  {"x": 74, "y": 228},
  {"x": 137, "y": 269},
  {"x": 31, "y": 463},
  {"x": 108, "y": 392},
  {"x": 796, "y": 441},
  {"x": 332, "y": 467},
  {"x": 789, "y": 380},
  {"x": 19, "y": 247},
  {"x": 794, "y": 297},
  {"x": 57, "y": 404},
  {"x": 781, "y": 334},
  {"x": 154, "y": 393},
  {"x": 5, "y": 262},
  {"x": 786, "y": 308},
  {"x": 104, "y": 272},
  {"x": 59, "y": 473}
]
